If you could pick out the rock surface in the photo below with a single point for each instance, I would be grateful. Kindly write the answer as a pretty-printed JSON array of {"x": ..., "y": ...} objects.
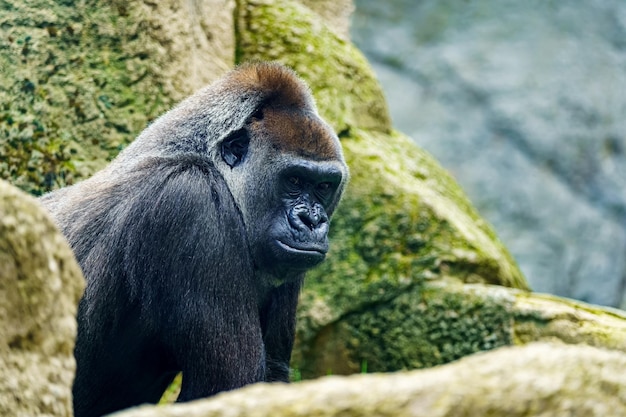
[
  {"x": 536, "y": 380},
  {"x": 524, "y": 103},
  {"x": 80, "y": 81},
  {"x": 402, "y": 220},
  {"x": 40, "y": 285},
  {"x": 336, "y": 14},
  {"x": 440, "y": 321}
]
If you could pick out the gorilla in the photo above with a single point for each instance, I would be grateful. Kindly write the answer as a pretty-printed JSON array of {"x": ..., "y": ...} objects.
[{"x": 195, "y": 240}]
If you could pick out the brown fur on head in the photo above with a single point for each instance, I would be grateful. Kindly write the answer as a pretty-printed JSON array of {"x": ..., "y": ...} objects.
[
  {"x": 287, "y": 115},
  {"x": 279, "y": 85},
  {"x": 298, "y": 133}
]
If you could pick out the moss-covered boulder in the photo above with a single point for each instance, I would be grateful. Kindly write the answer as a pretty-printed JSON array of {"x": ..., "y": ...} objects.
[
  {"x": 40, "y": 284},
  {"x": 443, "y": 320},
  {"x": 81, "y": 79},
  {"x": 403, "y": 220}
]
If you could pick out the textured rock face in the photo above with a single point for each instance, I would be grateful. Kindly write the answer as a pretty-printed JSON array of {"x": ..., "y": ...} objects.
[
  {"x": 80, "y": 81},
  {"x": 524, "y": 102},
  {"x": 536, "y": 380},
  {"x": 402, "y": 220},
  {"x": 40, "y": 284},
  {"x": 336, "y": 13},
  {"x": 441, "y": 321}
]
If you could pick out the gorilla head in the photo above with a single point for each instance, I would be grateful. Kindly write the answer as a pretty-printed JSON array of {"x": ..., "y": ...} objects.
[
  {"x": 195, "y": 239},
  {"x": 285, "y": 169}
]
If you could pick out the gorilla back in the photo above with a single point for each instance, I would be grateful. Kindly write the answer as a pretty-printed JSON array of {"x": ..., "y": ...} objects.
[{"x": 194, "y": 242}]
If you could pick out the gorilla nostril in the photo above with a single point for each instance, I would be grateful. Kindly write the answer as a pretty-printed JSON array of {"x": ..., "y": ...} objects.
[
  {"x": 307, "y": 219},
  {"x": 311, "y": 220}
]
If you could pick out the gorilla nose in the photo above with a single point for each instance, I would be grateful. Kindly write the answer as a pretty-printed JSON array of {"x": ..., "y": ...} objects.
[{"x": 310, "y": 217}]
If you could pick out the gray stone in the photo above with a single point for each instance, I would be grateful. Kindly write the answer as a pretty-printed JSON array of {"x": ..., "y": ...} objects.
[{"x": 525, "y": 103}]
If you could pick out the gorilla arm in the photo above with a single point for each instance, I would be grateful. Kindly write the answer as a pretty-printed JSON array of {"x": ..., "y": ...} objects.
[{"x": 278, "y": 321}]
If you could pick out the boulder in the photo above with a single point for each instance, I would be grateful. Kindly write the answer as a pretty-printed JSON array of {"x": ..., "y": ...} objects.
[
  {"x": 536, "y": 380},
  {"x": 40, "y": 285},
  {"x": 403, "y": 219},
  {"x": 441, "y": 321},
  {"x": 85, "y": 79}
]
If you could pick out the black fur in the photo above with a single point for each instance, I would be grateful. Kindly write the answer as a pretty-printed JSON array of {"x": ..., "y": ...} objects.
[{"x": 151, "y": 235}]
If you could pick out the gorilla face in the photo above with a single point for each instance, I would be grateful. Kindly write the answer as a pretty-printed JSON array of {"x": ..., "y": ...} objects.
[
  {"x": 290, "y": 172},
  {"x": 298, "y": 236}
]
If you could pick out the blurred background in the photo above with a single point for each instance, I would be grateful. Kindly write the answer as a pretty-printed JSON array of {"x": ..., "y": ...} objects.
[{"x": 525, "y": 104}]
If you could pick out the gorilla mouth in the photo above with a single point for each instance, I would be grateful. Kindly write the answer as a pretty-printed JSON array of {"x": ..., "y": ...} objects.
[{"x": 304, "y": 250}]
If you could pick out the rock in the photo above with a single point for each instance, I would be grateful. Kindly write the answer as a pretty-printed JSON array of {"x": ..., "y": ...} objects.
[
  {"x": 443, "y": 320},
  {"x": 527, "y": 111},
  {"x": 336, "y": 14},
  {"x": 85, "y": 80},
  {"x": 40, "y": 285},
  {"x": 403, "y": 219},
  {"x": 539, "y": 380}
]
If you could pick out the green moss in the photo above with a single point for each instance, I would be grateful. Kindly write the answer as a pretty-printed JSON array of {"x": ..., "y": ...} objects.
[
  {"x": 342, "y": 82},
  {"x": 426, "y": 325},
  {"x": 434, "y": 322},
  {"x": 83, "y": 81}
]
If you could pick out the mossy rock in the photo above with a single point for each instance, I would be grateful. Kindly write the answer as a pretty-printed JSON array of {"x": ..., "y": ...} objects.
[
  {"x": 81, "y": 85},
  {"x": 403, "y": 220},
  {"x": 541, "y": 379},
  {"x": 441, "y": 321},
  {"x": 426, "y": 325},
  {"x": 81, "y": 79}
]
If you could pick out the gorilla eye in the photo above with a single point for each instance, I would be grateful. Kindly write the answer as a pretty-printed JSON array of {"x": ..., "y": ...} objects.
[
  {"x": 295, "y": 180},
  {"x": 324, "y": 190}
]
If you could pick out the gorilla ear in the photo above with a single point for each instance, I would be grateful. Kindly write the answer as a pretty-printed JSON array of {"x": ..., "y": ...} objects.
[{"x": 235, "y": 147}]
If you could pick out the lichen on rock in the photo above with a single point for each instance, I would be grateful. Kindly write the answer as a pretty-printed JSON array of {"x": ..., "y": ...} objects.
[{"x": 86, "y": 77}]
